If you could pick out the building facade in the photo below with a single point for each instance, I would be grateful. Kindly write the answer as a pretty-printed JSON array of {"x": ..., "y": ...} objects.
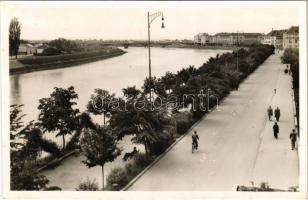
[
  {"x": 268, "y": 39},
  {"x": 291, "y": 38}
]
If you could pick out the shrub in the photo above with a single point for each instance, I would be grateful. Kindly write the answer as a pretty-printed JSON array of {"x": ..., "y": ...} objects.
[
  {"x": 142, "y": 160},
  {"x": 132, "y": 169},
  {"x": 88, "y": 185},
  {"x": 50, "y": 147},
  {"x": 165, "y": 139},
  {"x": 117, "y": 176},
  {"x": 183, "y": 122}
]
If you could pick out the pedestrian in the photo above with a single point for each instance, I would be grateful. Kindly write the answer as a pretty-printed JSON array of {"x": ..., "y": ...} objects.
[
  {"x": 293, "y": 138},
  {"x": 195, "y": 138},
  {"x": 277, "y": 114},
  {"x": 276, "y": 130},
  {"x": 275, "y": 91},
  {"x": 270, "y": 113}
]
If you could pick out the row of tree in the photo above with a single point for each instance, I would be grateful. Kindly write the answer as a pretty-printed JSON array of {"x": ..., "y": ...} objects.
[
  {"x": 291, "y": 57},
  {"x": 154, "y": 129}
]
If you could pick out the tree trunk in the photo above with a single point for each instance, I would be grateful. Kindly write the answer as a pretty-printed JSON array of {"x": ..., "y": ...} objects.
[
  {"x": 103, "y": 176},
  {"x": 104, "y": 118},
  {"x": 63, "y": 143},
  {"x": 146, "y": 150}
]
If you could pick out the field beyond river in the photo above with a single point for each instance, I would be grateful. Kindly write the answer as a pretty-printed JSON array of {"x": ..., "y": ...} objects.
[{"x": 36, "y": 63}]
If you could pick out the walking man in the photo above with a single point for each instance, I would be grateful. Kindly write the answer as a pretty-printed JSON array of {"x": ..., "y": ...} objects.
[
  {"x": 277, "y": 114},
  {"x": 270, "y": 113},
  {"x": 276, "y": 130},
  {"x": 293, "y": 138},
  {"x": 195, "y": 139}
]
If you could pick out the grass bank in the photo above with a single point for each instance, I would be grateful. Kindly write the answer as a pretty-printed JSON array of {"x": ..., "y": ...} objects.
[{"x": 38, "y": 63}]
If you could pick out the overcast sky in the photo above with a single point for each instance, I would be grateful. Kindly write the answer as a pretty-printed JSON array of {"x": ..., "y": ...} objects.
[{"x": 79, "y": 20}]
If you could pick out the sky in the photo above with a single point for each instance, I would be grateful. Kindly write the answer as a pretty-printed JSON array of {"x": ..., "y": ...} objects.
[{"x": 128, "y": 20}]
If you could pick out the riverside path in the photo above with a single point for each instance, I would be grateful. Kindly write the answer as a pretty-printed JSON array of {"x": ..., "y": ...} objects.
[{"x": 236, "y": 143}]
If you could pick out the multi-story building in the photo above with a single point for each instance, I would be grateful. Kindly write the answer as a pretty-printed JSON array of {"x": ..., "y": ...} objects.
[
  {"x": 291, "y": 38},
  {"x": 275, "y": 37},
  {"x": 268, "y": 39},
  {"x": 197, "y": 39},
  {"x": 230, "y": 38},
  {"x": 205, "y": 39},
  {"x": 223, "y": 38},
  {"x": 252, "y": 38},
  {"x": 202, "y": 39}
]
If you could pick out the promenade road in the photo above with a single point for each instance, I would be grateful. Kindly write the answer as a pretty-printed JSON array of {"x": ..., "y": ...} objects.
[{"x": 235, "y": 142}]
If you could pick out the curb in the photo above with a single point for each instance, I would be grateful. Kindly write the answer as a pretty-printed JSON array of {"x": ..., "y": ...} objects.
[{"x": 58, "y": 160}]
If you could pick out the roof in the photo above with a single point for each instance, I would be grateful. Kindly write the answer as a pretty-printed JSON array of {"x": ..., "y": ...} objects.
[
  {"x": 277, "y": 32},
  {"x": 293, "y": 30}
]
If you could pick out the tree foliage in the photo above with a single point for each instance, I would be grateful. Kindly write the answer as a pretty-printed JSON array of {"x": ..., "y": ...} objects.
[
  {"x": 99, "y": 147},
  {"x": 22, "y": 152},
  {"x": 57, "y": 112},
  {"x": 14, "y": 36},
  {"x": 101, "y": 103}
]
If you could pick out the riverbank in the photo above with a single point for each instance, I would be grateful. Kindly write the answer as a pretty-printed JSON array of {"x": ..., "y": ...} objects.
[
  {"x": 189, "y": 46},
  {"x": 39, "y": 63}
]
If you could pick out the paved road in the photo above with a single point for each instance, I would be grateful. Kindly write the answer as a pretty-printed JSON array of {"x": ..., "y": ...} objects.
[{"x": 230, "y": 141}]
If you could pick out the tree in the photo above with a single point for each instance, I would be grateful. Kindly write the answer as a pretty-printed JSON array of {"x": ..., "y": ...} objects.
[
  {"x": 57, "y": 112},
  {"x": 99, "y": 147},
  {"x": 169, "y": 80},
  {"x": 22, "y": 151},
  {"x": 131, "y": 92},
  {"x": 63, "y": 45},
  {"x": 14, "y": 36},
  {"x": 147, "y": 127},
  {"x": 101, "y": 103}
]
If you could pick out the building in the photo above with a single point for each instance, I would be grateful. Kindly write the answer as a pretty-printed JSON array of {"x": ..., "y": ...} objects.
[
  {"x": 40, "y": 48},
  {"x": 229, "y": 38},
  {"x": 275, "y": 37},
  {"x": 291, "y": 38},
  {"x": 205, "y": 39},
  {"x": 26, "y": 49},
  {"x": 268, "y": 39},
  {"x": 252, "y": 38},
  {"x": 223, "y": 38},
  {"x": 202, "y": 39},
  {"x": 197, "y": 38}
]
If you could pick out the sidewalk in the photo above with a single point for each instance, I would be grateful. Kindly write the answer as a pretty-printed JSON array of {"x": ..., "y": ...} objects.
[{"x": 276, "y": 163}]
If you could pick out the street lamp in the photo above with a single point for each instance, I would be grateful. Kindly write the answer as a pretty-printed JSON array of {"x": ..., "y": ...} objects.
[
  {"x": 151, "y": 18},
  {"x": 208, "y": 99}
]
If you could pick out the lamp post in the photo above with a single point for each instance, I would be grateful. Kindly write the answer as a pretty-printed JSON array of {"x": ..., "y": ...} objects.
[
  {"x": 208, "y": 99},
  {"x": 151, "y": 18}
]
